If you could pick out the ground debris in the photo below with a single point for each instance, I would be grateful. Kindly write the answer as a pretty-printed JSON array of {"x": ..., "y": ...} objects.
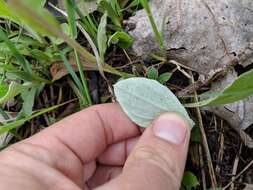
[
  {"x": 205, "y": 35},
  {"x": 208, "y": 36}
]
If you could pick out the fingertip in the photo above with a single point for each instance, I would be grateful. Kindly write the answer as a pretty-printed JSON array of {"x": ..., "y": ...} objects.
[{"x": 171, "y": 127}]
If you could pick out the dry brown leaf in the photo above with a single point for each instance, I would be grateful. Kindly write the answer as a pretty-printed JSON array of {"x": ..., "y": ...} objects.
[
  {"x": 58, "y": 70},
  {"x": 209, "y": 36},
  {"x": 204, "y": 35}
]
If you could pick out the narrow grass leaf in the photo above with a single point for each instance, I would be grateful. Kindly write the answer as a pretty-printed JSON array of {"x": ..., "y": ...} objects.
[
  {"x": 116, "y": 7},
  {"x": 70, "y": 7},
  {"x": 23, "y": 10},
  {"x": 241, "y": 88},
  {"x": 122, "y": 39},
  {"x": 144, "y": 99},
  {"x": 102, "y": 37},
  {"x": 6, "y": 12},
  {"x": 3, "y": 89},
  {"x": 71, "y": 72},
  {"x": 25, "y": 76},
  {"x": 112, "y": 14},
  {"x": 14, "y": 89},
  {"x": 49, "y": 28},
  {"x": 133, "y": 4},
  {"x": 22, "y": 61},
  {"x": 158, "y": 36},
  {"x": 55, "y": 31},
  {"x": 10, "y": 126}
]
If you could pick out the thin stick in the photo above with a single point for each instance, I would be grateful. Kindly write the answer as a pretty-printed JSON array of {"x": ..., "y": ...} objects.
[
  {"x": 129, "y": 59},
  {"x": 204, "y": 141},
  {"x": 202, "y": 167},
  {"x": 235, "y": 166},
  {"x": 221, "y": 150},
  {"x": 238, "y": 175}
]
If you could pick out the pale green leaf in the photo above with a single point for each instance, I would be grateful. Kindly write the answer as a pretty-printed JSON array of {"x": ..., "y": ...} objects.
[
  {"x": 145, "y": 99},
  {"x": 241, "y": 88},
  {"x": 101, "y": 37},
  {"x": 28, "y": 97}
]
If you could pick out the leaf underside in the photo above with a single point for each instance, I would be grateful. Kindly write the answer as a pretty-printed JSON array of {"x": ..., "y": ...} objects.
[{"x": 144, "y": 99}]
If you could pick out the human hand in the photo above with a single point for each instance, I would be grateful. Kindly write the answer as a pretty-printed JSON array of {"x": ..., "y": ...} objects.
[{"x": 101, "y": 148}]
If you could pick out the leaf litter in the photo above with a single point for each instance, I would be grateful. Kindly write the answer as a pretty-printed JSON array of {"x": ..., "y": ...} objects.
[{"x": 207, "y": 36}]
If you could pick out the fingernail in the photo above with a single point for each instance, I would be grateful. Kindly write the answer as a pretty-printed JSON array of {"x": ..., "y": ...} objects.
[{"x": 170, "y": 127}]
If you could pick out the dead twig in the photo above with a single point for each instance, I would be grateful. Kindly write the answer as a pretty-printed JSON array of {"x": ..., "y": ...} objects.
[
  {"x": 221, "y": 149},
  {"x": 238, "y": 175},
  {"x": 204, "y": 141},
  {"x": 203, "y": 176},
  {"x": 235, "y": 166}
]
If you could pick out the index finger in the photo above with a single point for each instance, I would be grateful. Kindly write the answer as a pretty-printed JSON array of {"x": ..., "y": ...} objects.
[{"x": 88, "y": 132}]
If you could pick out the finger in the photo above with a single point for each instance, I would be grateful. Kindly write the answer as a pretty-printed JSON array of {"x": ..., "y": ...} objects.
[
  {"x": 117, "y": 154},
  {"x": 89, "y": 170},
  {"x": 158, "y": 160},
  {"x": 88, "y": 132},
  {"x": 102, "y": 175},
  {"x": 77, "y": 140}
]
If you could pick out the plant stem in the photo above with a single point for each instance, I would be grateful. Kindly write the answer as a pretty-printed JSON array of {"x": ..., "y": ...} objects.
[
  {"x": 158, "y": 35},
  {"x": 83, "y": 79}
]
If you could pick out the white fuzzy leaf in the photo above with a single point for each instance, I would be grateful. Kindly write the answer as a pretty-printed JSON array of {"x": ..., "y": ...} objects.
[{"x": 144, "y": 99}]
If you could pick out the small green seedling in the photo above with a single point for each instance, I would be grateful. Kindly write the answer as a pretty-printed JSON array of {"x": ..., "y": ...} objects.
[
  {"x": 145, "y": 99},
  {"x": 152, "y": 73},
  {"x": 122, "y": 39},
  {"x": 189, "y": 181}
]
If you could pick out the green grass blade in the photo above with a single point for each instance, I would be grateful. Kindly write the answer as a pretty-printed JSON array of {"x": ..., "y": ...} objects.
[
  {"x": 11, "y": 70},
  {"x": 71, "y": 72},
  {"x": 158, "y": 35},
  {"x": 83, "y": 79},
  {"x": 14, "y": 89},
  {"x": 241, "y": 88},
  {"x": 112, "y": 14},
  {"x": 13, "y": 125},
  {"x": 22, "y": 61},
  {"x": 116, "y": 7},
  {"x": 6, "y": 12},
  {"x": 41, "y": 22},
  {"x": 23, "y": 8},
  {"x": 88, "y": 24},
  {"x": 70, "y": 7}
]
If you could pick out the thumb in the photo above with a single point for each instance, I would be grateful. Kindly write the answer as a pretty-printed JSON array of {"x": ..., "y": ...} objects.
[{"x": 158, "y": 160}]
